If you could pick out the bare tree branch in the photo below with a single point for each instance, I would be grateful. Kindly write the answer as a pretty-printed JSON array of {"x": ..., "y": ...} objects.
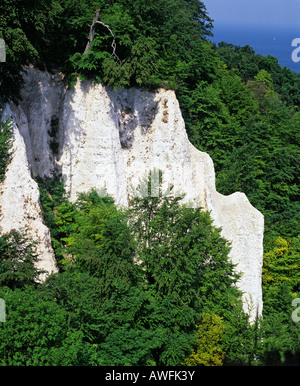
[
  {"x": 92, "y": 31},
  {"x": 92, "y": 36}
]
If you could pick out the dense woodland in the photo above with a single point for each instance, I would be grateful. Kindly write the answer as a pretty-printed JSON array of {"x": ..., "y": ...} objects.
[{"x": 163, "y": 293}]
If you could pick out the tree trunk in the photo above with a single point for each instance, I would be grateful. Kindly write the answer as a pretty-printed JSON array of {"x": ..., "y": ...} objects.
[
  {"x": 92, "y": 36},
  {"x": 92, "y": 31}
]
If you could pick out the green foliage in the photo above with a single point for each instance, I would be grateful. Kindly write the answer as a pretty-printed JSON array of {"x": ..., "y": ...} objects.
[
  {"x": 248, "y": 64},
  {"x": 142, "y": 33},
  {"x": 242, "y": 341},
  {"x": 32, "y": 325},
  {"x": 264, "y": 163},
  {"x": 183, "y": 255},
  {"x": 58, "y": 215},
  {"x": 281, "y": 338},
  {"x": 79, "y": 294},
  {"x": 6, "y": 142},
  {"x": 54, "y": 34},
  {"x": 101, "y": 243},
  {"x": 244, "y": 120},
  {"x": 17, "y": 258},
  {"x": 207, "y": 349},
  {"x": 107, "y": 308},
  {"x": 39, "y": 332},
  {"x": 23, "y": 27},
  {"x": 149, "y": 286},
  {"x": 144, "y": 331}
]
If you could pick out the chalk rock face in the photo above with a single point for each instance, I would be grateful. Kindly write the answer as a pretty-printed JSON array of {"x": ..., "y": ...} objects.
[
  {"x": 19, "y": 204},
  {"x": 100, "y": 138},
  {"x": 37, "y": 118}
]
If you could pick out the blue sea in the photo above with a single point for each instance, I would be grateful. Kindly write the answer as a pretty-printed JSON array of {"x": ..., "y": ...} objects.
[{"x": 264, "y": 40}]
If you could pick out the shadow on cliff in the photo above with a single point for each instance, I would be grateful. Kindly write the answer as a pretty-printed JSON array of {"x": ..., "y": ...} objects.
[{"x": 132, "y": 108}]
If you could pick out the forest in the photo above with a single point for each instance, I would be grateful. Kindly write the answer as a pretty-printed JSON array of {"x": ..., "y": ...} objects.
[{"x": 161, "y": 294}]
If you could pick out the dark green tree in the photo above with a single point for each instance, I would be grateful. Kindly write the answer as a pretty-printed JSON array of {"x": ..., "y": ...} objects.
[
  {"x": 281, "y": 338},
  {"x": 59, "y": 215},
  {"x": 183, "y": 256},
  {"x": 40, "y": 332},
  {"x": 17, "y": 258},
  {"x": 23, "y": 27},
  {"x": 101, "y": 243}
]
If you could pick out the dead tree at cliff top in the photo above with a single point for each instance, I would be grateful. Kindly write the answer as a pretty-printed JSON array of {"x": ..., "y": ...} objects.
[{"x": 92, "y": 36}]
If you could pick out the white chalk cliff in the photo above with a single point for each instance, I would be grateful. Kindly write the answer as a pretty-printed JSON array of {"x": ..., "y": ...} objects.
[
  {"x": 100, "y": 138},
  {"x": 19, "y": 204}
]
